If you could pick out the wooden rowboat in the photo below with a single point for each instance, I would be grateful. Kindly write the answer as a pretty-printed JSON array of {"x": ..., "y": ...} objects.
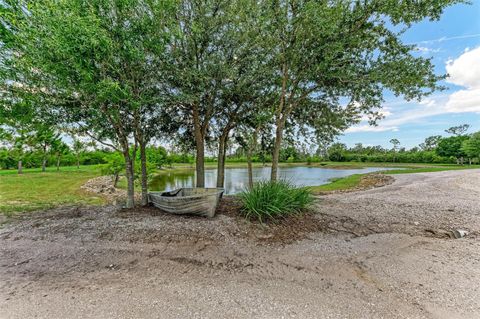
[{"x": 197, "y": 201}]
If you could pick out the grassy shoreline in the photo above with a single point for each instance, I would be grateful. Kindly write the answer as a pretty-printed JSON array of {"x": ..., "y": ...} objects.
[
  {"x": 353, "y": 181},
  {"x": 35, "y": 190}
]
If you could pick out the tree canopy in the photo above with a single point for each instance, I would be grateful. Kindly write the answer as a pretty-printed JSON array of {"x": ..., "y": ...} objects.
[
  {"x": 471, "y": 146},
  {"x": 452, "y": 146},
  {"x": 125, "y": 72}
]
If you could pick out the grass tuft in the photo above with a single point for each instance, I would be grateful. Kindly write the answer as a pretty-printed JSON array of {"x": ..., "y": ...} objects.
[{"x": 271, "y": 200}]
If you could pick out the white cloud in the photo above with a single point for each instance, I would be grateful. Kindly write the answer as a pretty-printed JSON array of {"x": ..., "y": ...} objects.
[
  {"x": 428, "y": 103},
  {"x": 464, "y": 101},
  {"x": 465, "y": 70},
  {"x": 414, "y": 113},
  {"x": 442, "y": 39},
  {"x": 426, "y": 50},
  {"x": 369, "y": 128}
]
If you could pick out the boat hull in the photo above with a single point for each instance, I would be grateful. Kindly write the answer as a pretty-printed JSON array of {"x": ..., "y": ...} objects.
[{"x": 195, "y": 201}]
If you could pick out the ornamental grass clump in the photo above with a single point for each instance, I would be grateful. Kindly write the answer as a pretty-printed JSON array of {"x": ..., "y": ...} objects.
[{"x": 272, "y": 200}]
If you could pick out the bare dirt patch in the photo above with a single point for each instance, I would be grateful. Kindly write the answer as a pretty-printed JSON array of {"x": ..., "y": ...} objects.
[
  {"x": 282, "y": 231},
  {"x": 367, "y": 181},
  {"x": 103, "y": 186},
  {"x": 363, "y": 252}
]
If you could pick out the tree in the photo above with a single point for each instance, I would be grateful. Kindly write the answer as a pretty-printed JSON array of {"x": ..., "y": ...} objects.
[
  {"x": 198, "y": 71},
  {"x": 93, "y": 65},
  {"x": 247, "y": 135},
  {"x": 78, "y": 148},
  {"x": 430, "y": 143},
  {"x": 45, "y": 139},
  {"x": 20, "y": 140},
  {"x": 458, "y": 130},
  {"x": 247, "y": 142},
  {"x": 16, "y": 123},
  {"x": 395, "y": 144},
  {"x": 452, "y": 147},
  {"x": 157, "y": 156},
  {"x": 471, "y": 147},
  {"x": 326, "y": 50},
  {"x": 246, "y": 92},
  {"x": 92, "y": 144},
  {"x": 358, "y": 149},
  {"x": 59, "y": 148},
  {"x": 115, "y": 165},
  {"x": 336, "y": 152}
]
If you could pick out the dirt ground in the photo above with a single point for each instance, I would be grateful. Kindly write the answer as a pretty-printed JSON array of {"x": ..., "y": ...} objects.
[{"x": 380, "y": 253}]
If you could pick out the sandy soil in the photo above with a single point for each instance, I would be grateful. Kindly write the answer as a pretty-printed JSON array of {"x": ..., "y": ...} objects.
[{"x": 369, "y": 254}]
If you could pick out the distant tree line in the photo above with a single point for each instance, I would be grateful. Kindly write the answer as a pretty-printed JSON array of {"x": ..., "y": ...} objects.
[
  {"x": 36, "y": 155},
  {"x": 459, "y": 148}
]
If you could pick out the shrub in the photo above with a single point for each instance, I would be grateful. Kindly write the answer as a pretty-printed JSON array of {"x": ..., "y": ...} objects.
[
  {"x": 115, "y": 165},
  {"x": 94, "y": 157},
  {"x": 271, "y": 200},
  {"x": 7, "y": 161}
]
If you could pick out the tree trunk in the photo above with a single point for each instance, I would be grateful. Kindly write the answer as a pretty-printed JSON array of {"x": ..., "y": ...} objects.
[
  {"x": 130, "y": 180},
  {"x": 222, "y": 141},
  {"x": 250, "y": 168},
  {"x": 58, "y": 163},
  {"x": 44, "y": 161},
  {"x": 200, "y": 149},
  {"x": 20, "y": 167},
  {"x": 116, "y": 177},
  {"x": 144, "y": 177},
  {"x": 280, "y": 123},
  {"x": 78, "y": 162},
  {"x": 276, "y": 150},
  {"x": 252, "y": 145},
  {"x": 200, "y": 163}
]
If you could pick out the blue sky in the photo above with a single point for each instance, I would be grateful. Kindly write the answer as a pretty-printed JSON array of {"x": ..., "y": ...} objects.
[{"x": 454, "y": 44}]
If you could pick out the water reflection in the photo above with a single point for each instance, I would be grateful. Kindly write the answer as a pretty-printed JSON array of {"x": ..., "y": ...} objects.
[
  {"x": 236, "y": 179},
  {"x": 172, "y": 180}
]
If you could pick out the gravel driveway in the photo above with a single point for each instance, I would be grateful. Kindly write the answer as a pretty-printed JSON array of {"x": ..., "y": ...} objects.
[{"x": 379, "y": 254}]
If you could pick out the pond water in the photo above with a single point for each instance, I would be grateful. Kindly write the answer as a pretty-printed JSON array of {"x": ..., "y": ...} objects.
[{"x": 236, "y": 179}]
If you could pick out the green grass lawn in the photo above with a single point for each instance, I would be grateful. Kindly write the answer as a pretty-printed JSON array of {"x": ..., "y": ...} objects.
[{"x": 36, "y": 190}]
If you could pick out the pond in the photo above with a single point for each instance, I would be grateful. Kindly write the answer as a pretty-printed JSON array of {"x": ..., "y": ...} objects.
[{"x": 236, "y": 179}]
